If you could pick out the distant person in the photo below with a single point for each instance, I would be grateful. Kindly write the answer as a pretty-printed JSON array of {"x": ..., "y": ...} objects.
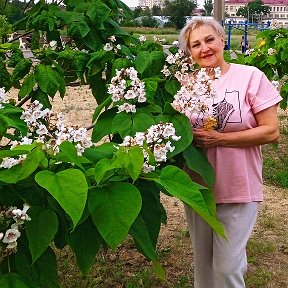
[
  {"x": 244, "y": 46},
  {"x": 225, "y": 45}
]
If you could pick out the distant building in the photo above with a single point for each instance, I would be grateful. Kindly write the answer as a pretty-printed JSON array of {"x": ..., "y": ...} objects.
[
  {"x": 278, "y": 10},
  {"x": 151, "y": 3}
]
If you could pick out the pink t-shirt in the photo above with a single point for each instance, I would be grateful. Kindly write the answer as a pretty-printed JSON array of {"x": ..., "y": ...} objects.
[{"x": 241, "y": 92}]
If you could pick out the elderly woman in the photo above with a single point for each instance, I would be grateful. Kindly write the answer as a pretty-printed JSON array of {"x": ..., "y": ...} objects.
[{"x": 245, "y": 108}]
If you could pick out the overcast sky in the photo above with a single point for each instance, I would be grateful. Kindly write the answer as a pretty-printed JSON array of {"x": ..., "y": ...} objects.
[{"x": 134, "y": 3}]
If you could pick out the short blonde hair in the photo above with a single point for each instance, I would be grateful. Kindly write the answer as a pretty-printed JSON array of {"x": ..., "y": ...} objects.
[{"x": 184, "y": 36}]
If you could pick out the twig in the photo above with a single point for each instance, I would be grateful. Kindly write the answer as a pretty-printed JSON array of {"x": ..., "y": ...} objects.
[
  {"x": 24, "y": 100},
  {"x": 19, "y": 36}
]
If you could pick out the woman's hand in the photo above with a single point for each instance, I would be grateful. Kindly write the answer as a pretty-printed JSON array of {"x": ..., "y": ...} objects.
[
  {"x": 267, "y": 131},
  {"x": 206, "y": 139}
]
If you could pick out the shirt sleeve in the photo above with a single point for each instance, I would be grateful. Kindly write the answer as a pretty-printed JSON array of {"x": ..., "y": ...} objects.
[{"x": 265, "y": 94}]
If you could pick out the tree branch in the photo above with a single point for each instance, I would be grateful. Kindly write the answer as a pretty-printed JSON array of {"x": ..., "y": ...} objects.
[{"x": 22, "y": 101}]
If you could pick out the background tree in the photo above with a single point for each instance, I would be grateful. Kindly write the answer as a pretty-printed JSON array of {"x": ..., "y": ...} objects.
[
  {"x": 253, "y": 10},
  {"x": 13, "y": 10},
  {"x": 137, "y": 12},
  {"x": 146, "y": 12},
  {"x": 5, "y": 28},
  {"x": 208, "y": 7},
  {"x": 148, "y": 21},
  {"x": 156, "y": 10},
  {"x": 177, "y": 10}
]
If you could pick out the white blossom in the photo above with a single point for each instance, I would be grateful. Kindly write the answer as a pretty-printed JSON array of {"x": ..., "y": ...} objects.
[
  {"x": 11, "y": 236},
  {"x": 127, "y": 89},
  {"x": 142, "y": 38},
  {"x": 112, "y": 38},
  {"x": 3, "y": 98},
  {"x": 108, "y": 47},
  {"x": 157, "y": 138},
  {"x": 275, "y": 84},
  {"x": 271, "y": 51},
  {"x": 193, "y": 93}
]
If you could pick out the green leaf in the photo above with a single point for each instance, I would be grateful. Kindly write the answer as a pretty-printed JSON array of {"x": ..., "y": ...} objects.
[
  {"x": 43, "y": 271},
  {"x": 99, "y": 60},
  {"x": 122, "y": 123},
  {"x": 152, "y": 212},
  {"x": 48, "y": 79},
  {"x": 197, "y": 161},
  {"x": 96, "y": 153},
  {"x": 149, "y": 63},
  {"x": 40, "y": 230},
  {"x": 120, "y": 63},
  {"x": 83, "y": 28},
  {"x": 271, "y": 59},
  {"x": 172, "y": 86},
  {"x": 27, "y": 86},
  {"x": 150, "y": 88},
  {"x": 13, "y": 280},
  {"x": 114, "y": 208},
  {"x": 182, "y": 128},
  {"x": 85, "y": 242},
  {"x": 68, "y": 187},
  {"x": 68, "y": 153},
  {"x": 103, "y": 125},
  {"x": 132, "y": 160},
  {"x": 103, "y": 166},
  {"x": 179, "y": 185},
  {"x": 141, "y": 237},
  {"x": 93, "y": 39},
  {"x": 10, "y": 115},
  {"x": 98, "y": 12},
  {"x": 23, "y": 170},
  {"x": 141, "y": 122},
  {"x": 11, "y": 153},
  {"x": 21, "y": 69}
]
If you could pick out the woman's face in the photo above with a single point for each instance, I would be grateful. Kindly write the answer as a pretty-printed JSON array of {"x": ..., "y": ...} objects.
[{"x": 206, "y": 47}]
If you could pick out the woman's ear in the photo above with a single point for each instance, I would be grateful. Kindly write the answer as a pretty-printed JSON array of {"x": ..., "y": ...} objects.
[{"x": 223, "y": 41}]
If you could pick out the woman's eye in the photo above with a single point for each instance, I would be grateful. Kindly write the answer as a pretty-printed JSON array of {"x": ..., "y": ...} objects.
[
  {"x": 195, "y": 45},
  {"x": 209, "y": 40}
]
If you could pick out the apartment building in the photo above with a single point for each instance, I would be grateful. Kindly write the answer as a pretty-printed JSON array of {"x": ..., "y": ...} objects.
[
  {"x": 151, "y": 3},
  {"x": 278, "y": 10}
]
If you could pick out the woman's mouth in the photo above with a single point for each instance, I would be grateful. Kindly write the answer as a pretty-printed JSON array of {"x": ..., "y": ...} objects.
[{"x": 207, "y": 56}]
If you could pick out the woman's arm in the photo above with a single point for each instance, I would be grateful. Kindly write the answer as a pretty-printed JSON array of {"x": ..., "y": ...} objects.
[{"x": 267, "y": 131}]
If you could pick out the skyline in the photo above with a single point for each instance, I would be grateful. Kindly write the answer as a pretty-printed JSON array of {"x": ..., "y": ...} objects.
[{"x": 134, "y": 3}]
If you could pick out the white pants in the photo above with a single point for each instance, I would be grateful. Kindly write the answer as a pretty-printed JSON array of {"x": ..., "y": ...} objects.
[{"x": 221, "y": 263}]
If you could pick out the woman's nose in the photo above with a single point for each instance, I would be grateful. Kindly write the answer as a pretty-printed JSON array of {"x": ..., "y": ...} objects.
[{"x": 204, "y": 47}]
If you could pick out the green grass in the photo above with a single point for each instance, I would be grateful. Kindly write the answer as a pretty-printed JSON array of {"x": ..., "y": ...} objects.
[
  {"x": 171, "y": 34},
  {"x": 275, "y": 163}
]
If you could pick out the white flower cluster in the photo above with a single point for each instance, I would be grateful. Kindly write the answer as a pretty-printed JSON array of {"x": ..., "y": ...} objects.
[
  {"x": 53, "y": 134},
  {"x": 157, "y": 140},
  {"x": 249, "y": 51},
  {"x": 193, "y": 94},
  {"x": 142, "y": 38},
  {"x": 276, "y": 84},
  {"x": 13, "y": 219},
  {"x": 3, "y": 98},
  {"x": 49, "y": 131},
  {"x": 154, "y": 39},
  {"x": 127, "y": 89},
  {"x": 178, "y": 66},
  {"x": 275, "y": 25},
  {"x": 109, "y": 46},
  {"x": 271, "y": 51}
]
